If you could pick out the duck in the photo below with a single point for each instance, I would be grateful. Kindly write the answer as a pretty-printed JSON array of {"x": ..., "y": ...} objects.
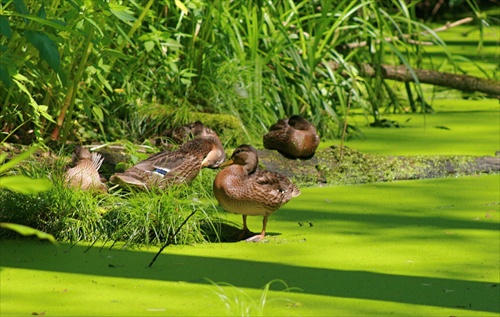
[
  {"x": 293, "y": 137},
  {"x": 177, "y": 135},
  {"x": 167, "y": 168},
  {"x": 84, "y": 174},
  {"x": 241, "y": 188}
]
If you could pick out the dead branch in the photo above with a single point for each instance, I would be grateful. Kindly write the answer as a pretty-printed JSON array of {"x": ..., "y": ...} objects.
[
  {"x": 401, "y": 73},
  {"x": 445, "y": 27}
]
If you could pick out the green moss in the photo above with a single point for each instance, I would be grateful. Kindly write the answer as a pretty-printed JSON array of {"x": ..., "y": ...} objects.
[
  {"x": 336, "y": 166},
  {"x": 229, "y": 127}
]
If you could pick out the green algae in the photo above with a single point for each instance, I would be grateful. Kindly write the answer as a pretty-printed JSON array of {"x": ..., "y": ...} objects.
[{"x": 426, "y": 247}]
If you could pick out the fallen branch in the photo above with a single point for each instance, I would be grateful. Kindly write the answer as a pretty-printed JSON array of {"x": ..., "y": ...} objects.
[{"x": 402, "y": 73}]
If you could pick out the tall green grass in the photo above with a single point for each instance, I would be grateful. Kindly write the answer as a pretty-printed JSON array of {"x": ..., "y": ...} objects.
[
  {"x": 108, "y": 70},
  {"x": 127, "y": 218}
]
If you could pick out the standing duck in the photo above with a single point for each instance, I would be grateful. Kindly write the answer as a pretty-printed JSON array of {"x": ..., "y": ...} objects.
[
  {"x": 85, "y": 171},
  {"x": 242, "y": 189},
  {"x": 181, "y": 166},
  {"x": 294, "y": 138}
]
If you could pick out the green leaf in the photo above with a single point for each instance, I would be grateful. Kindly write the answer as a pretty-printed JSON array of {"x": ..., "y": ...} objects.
[
  {"x": 114, "y": 53},
  {"x": 181, "y": 6},
  {"x": 173, "y": 43},
  {"x": 21, "y": 7},
  {"x": 25, "y": 185},
  {"x": 28, "y": 231},
  {"x": 5, "y": 27},
  {"x": 149, "y": 45},
  {"x": 41, "y": 12},
  {"x": 57, "y": 24},
  {"x": 46, "y": 47},
  {"x": 187, "y": 74},
  {"x": 98, "y": 113},
  {"x": 5, "y": 76},
  {"x": 122, "y": 12},
  {"x": 43, "y": 111}
]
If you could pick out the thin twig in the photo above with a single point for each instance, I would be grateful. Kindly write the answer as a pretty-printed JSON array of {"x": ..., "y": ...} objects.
[
  {"x": 170, "y": 238},
  {"x": 449, "y": 25},
  {"x": 445, "y": 27}
]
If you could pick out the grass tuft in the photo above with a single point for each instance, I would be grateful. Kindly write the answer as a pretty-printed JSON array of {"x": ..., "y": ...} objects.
[
  {"x": 134, "y": 218},
  {"x": 237, "y": 302}
]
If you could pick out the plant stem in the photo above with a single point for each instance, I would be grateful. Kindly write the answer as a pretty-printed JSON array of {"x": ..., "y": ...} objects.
[
  {"x": 73, "y": 90},
  {"x": 344, "y": 130},
  {"x": 170, "y": 238}
]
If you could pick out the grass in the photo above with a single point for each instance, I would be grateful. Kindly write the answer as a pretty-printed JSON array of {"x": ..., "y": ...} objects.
[
  {"x": 424, "y": 248},
  {"x": 457, "y": 128},
  {"x": 135, "y": 218},
  {"x": 256, "y": 61}
]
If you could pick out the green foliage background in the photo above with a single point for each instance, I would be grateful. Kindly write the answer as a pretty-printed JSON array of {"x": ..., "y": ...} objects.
[{"x": 100, "y": 70}]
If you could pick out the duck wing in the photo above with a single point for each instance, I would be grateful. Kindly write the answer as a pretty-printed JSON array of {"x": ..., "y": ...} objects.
[{"x": 271, "y": 188}]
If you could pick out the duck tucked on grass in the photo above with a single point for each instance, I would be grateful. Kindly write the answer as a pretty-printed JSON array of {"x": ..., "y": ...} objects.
[
  {"x": 181, "y": 166},
  {"x": 242, "y": 189},
  {"x": 294, "y": 138},
  {"x": 84, "y": 175}
]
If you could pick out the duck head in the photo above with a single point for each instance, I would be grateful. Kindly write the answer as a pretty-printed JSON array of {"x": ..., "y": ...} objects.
[
  {"x": 217, "y": 155},
  {"x": 299, "y": 123},
  {"x": 246, "y": 156},
  {"x": 80, "y": 153}
]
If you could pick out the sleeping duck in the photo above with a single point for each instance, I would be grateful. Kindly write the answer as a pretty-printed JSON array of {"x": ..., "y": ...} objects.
[
  {"x": 180, "y": 166},
  {"x": 294, "y": 137}
]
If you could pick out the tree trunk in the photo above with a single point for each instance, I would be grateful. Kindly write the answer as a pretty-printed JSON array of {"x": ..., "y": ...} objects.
[{"x": 401, "y": 73}]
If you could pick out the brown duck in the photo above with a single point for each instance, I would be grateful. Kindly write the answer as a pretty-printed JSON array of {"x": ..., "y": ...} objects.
[
  {"x": 181, "y": 166},
  {"x": 85, "y": 173},
  {"x": 242, "y": 189},
  {"x": 294, "y": 137},
  {"x": 177, "y": 135}
]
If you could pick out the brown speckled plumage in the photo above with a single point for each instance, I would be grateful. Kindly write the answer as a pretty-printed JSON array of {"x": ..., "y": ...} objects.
[
  {"x": 242, "y": 189},
  {"x": 181, "y": 166},
  {"x": 294, "y": 138},
  {"x": 85, "y": 171}
]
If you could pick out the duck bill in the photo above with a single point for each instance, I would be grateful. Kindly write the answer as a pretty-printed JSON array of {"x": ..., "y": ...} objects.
[{"x": 227, "y": 163}]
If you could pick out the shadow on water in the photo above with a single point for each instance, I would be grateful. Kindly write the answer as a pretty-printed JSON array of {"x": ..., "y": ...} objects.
[
  {"x": 440, "y": 292},
  {"x": 388, "y": 220}
]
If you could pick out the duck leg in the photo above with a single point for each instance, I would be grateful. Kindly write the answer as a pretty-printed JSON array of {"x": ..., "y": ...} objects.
[
  {"x": 259, "y": 237},
  {"x": 245, "y": 230}
]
